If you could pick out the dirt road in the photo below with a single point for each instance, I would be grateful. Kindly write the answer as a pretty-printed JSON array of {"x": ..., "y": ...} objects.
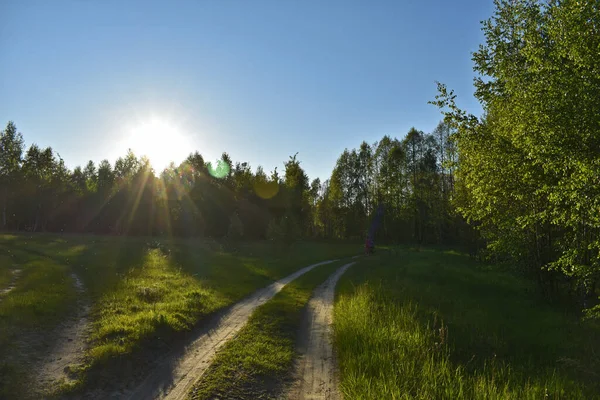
[
  {"x": 69, "y": 344},
  {"x": 179, "y": 371},
  {"x": 316, "y": 371}
]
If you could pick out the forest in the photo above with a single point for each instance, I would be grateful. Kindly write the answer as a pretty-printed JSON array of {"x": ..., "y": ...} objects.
[
  {"x": 519, "y": 184},
  {"x": 409, "y": 179}
]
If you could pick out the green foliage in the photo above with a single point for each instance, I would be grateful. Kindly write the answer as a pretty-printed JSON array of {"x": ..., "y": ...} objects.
[
  {"x": 11, "y": 151},
  {"x": 38, "y": 193},
  {"x": 414, "y": 181},
  {"x": 530, "y": 167},
  {"x": 286, "y": 230},
  {"x": 274, "y": 231},
  {"x": 434, "y": 324},
  {"x": 236, "y": 227},
  {"x": 196, "y": 199}
]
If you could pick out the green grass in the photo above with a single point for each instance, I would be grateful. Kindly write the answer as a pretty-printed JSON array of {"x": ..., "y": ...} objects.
[
  {"x": 6, "y": 265},
  {"x": 258, "y": 362},
  {"x": 143, "y": 292},
  {"x": 437, "y": 325},
  {"x": 42, "y": 297}
]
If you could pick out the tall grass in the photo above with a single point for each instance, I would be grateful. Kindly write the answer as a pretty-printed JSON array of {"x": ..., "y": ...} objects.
[{"x": 418, "y": 326}]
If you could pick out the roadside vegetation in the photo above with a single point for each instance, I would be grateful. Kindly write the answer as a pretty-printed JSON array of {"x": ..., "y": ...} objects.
[
  {"x": 258, "y": 362},
  {"x": 142, "y": 291},
  {"x": 435, "y": 324}
]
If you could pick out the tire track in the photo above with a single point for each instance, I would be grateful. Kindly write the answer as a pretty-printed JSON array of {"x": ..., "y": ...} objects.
[
  {"x": 316, "y": 372},
  {"x": 70, "y": 345},
  {"x": 177, "y": 373}
]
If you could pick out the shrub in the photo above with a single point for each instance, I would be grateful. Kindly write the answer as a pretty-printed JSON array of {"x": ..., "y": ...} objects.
[{"x": 284, "y": 230}]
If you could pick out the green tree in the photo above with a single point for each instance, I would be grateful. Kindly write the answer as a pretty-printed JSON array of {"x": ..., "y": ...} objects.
[
  {"x": 297, "y": 195},
  {"x": 11, "y": 153},
  {"x": 531, "y": 165}
]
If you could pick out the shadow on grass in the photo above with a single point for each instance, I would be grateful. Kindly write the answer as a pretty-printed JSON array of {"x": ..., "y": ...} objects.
[
  {"x": 45, "y": 295},
  {"x": 124, "y": 295},
  {"x": 99, "y": 261},
  {"x": 492, "y": 319},
  {"x": 42, "y": 297}
]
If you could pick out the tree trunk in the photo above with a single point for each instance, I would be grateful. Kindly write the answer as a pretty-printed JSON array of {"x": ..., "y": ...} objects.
[
  {"x": 37, "y": 218},
  {"x": 4, "y": 211}
]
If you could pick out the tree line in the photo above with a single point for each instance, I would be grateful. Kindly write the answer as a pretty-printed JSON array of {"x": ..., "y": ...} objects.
[{"x": 410, "y": 179}]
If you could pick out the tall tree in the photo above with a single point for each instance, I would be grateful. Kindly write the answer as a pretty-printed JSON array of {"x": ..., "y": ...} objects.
[
  {"x": 531, "y": 165},
  {"x": 11, "y": 153}
]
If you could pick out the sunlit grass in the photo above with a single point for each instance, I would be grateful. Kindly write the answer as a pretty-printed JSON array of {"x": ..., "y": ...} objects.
[
  {"x": 425, "y": 325},
  {"x": 42, "y": 293},
  {"x": 149, "y": 299}
]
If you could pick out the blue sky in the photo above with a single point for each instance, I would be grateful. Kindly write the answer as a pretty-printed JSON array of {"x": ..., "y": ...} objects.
[{"x": 261, "y": 80}]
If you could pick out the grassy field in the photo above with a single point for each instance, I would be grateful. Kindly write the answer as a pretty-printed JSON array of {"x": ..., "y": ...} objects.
[
  {"x": 258, "y": 362},
  {"x": 142, "y": 291},
  {"x": 437, "y": 325}
]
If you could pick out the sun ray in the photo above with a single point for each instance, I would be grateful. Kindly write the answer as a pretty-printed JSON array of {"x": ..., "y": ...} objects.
[{"x": 142, "y": 186}]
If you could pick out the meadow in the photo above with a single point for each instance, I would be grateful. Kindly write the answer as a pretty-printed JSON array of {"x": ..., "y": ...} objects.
[
  {"x": 434, "y": 324},
  {"x": 143, "y": 292}
]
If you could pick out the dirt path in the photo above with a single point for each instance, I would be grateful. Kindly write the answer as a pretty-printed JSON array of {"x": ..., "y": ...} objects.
[
  {"x": 69, "y": 343},
  {"x": 177, "y": 373},
  {"x": 316, "y": 370},
  {"x": 16, "y": 273}
]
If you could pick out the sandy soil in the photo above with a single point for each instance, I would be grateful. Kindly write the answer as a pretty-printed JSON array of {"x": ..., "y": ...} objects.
[
  {"x": 178, "y": 372},
  {"x": 316, "y": 376},
  {"x": 69, "y": 344}
]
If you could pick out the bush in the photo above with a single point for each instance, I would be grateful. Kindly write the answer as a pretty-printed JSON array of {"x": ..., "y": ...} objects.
[
  {"x": 236, "y": 228},
  {"x": 284, "y": 230}
]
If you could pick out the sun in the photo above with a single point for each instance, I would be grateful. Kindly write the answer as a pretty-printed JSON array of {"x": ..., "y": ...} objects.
[{"x": 158, "y": 139}]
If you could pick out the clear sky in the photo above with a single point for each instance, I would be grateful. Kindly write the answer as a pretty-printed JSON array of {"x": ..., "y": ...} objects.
[{"x": 261, "y": 80}]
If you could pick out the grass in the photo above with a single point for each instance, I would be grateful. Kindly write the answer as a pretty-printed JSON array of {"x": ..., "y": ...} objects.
[
  {"x": 42, "y": 297},
  {"x": 143, "y": 292},
  {"x": 258, "y": 362},
  {"x": 6, "y": 275},
  {"x": 437, "y": 325}
]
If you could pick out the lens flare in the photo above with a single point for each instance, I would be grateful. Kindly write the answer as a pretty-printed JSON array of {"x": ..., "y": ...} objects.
[
  {"x": 221, "y": 171},
  {"x": 266, "y": 190}
]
